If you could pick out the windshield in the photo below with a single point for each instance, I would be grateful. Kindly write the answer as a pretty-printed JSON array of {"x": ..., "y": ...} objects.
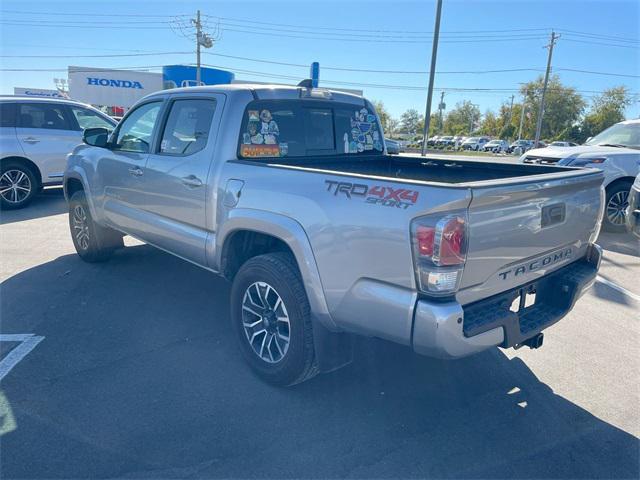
[{"x": 622, "y": 134}]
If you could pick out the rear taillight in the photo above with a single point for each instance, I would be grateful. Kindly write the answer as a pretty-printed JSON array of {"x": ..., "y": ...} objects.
[{"x": 439, "y": 251}]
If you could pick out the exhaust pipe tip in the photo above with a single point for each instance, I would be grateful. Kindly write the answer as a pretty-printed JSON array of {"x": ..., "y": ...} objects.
[{"x": 534, "y": 342}]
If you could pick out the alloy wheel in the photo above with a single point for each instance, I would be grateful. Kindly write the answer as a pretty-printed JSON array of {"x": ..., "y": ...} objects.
[
  {"x": 617, "y": 206},
  {"x": 81, "y": 226},
  {"x": 15, "y": 186},
  {"x": 266, "y": 322}
]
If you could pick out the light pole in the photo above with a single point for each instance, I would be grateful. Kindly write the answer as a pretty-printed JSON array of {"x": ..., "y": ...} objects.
[{"x": 432, "y": 71}]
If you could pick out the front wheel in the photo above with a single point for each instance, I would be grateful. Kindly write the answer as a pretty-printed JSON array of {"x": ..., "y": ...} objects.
[
  {"x": 272, "y": 319},
  {"x": 616, "y": 203},
  {"x": 93, "y": 242}
]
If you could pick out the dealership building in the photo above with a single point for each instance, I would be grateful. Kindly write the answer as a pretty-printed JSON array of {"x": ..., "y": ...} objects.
[{"x": 115, "y": 91}]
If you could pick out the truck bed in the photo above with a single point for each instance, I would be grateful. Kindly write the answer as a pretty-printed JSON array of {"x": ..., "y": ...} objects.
[{"x": 421, "y": 169}]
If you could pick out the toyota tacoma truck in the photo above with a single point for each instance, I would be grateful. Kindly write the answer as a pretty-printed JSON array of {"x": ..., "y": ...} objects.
[{"x": 288, "y": 193}]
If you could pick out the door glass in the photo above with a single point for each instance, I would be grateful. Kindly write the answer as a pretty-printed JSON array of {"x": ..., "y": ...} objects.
[
  {"x": 88, "y": 119},
  {"x": 7, "y": 114},
  {"x": 134, "y": 134},
  {"x": 43, "y": 115},
  {"x": 187, "y": 127}
]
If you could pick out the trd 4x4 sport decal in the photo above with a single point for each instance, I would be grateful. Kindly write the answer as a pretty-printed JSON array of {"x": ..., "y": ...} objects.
[{"x": 374, "y": 194}]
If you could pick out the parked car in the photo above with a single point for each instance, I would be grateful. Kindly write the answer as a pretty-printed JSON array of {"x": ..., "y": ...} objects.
[
  {"x": 445, "y": 141},
  {"x": 633, "y": 210},
  {"x": 36, "y": 134},
  {"x": 520, "y": 146},
  {"x": 616, "y": 152},
  {"x": 432, "y": 141},
  {"x": 286, "y": 192},
  {"x": 393, "y": 146},
  {"x": 496, "y": 146},
  {"x": 474, "y": 143},
  {"x": 563, "y": 144}
]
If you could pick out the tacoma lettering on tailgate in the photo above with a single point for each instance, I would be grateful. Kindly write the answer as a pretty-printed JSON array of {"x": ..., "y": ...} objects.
[{"x": 374, "y": 194}]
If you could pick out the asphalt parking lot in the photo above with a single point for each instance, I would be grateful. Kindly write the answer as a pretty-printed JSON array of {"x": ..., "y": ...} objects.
[{"x": 137, "y": 375}]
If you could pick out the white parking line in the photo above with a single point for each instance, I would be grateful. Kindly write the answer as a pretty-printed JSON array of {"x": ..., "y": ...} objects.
[
  {"x": 617, "y": 287},
  {"x": 28, "y": 342}
]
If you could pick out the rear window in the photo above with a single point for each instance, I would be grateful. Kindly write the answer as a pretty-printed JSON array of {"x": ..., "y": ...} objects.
[{"x": 297, "y": 128}]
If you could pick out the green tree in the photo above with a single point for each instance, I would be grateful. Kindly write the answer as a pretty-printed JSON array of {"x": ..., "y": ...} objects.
[
  {"x": 563, "y": 107},
  {"x": 459, "y": 120},
  {"x": 383, "y": 114},
  {"x": 491, "y": 124},
  {"x": 606, "y": 110},
  {"x": 410, "y": 121}
]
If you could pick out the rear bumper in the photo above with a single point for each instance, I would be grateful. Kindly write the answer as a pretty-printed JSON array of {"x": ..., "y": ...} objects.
[{"x": 450, "y": 330}]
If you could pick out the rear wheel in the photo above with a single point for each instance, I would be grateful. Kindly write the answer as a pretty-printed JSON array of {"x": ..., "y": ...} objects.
[
  {"x": 93, "y": 242},
  {"x": 271, "y": 319},
  {"x": 18, "y": 185},
  {"x": 616, "y": 203}
]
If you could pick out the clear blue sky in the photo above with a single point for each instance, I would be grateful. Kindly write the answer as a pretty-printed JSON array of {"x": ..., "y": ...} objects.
[{"x": 376, "y": 35}]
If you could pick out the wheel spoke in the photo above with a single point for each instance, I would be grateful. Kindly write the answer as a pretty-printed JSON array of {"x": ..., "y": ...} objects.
[{"x": 263, "y": 324}]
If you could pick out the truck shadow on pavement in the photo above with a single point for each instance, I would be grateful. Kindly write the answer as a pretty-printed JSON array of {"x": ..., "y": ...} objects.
[{"x": 139, "y": 376}]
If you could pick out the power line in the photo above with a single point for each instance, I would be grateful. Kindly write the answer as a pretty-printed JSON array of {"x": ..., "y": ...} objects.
[
  {"x": 139, "y": 54},
  {"x": 145, "y": 15},
  {"x": 586, "y": 42}
]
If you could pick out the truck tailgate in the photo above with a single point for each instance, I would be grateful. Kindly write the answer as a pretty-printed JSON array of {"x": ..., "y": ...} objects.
[{"x": 522, "y": 230}]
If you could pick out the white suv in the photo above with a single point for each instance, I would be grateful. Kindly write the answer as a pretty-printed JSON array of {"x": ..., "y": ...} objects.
[
  {"x": 616, "y": 151},
  {"x": 36, "y": 134}
]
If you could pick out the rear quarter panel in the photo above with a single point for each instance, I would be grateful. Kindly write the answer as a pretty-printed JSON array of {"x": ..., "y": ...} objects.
[{"x": 358, "y": 246}]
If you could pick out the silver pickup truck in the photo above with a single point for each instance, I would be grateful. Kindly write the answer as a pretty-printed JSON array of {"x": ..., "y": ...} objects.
[{"x": 288, "y": 192}]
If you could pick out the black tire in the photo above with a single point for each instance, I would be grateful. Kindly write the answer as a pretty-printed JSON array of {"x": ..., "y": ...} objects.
[
  {"x": 278, "y": 271},
  {"x": 19, "y": 176},
  {"x": 614, "y": 211},
  {"x": 93, "y": 242}
]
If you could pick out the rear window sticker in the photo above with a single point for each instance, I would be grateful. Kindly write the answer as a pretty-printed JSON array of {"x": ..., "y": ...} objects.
[
  {"x": 260, "y": 151},
  {"x": 284, "y": 149},
  {"x": 254, "y": 115},
  {"x": 364, "y": 133}
]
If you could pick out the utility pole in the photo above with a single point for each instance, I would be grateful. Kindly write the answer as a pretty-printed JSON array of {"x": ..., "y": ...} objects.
[
  {"x": 510, "y": 114},
  {"x": 440, "y": 108},
  {"x": 198, "y": 26},
  {"x": 432, "y": 71},
  {"x": 552, "y": 42},
  {"x": 202, "y": 40},
  {"x": 524, "y": 107}
]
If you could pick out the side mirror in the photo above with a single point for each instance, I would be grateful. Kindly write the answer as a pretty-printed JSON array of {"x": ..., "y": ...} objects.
[{"x": 96, "y": 137}]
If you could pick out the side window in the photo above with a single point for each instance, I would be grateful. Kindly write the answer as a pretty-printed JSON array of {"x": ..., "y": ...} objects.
[
  {"x": 88, "y": 119},
  {"x": 134, "y": 133},
  {"x": 188, "y": 126},
  {"x": 7, "y": 114},
  {"x": 43, "y": 115}
]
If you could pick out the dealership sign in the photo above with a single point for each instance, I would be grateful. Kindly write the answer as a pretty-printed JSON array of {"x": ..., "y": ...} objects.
[
  {"x": 111, "y": 88},
  {"x": 37, "y": 92},
  {"x": 107, "y": 82}
]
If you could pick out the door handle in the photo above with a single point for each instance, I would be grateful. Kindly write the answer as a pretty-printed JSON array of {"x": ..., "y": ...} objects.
[
  {"x": 136, "y": 171},
  {"x": 31, "y": 140},
  {"x": 192, "y": 181}
]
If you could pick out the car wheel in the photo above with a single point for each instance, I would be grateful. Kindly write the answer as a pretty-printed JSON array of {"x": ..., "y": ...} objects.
[
  {"x": 18, "y": 185},
  {"x": 93, "y": 242},
  {"x": 616, "y": 203},
  {"x": 272, "y": 319}
]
